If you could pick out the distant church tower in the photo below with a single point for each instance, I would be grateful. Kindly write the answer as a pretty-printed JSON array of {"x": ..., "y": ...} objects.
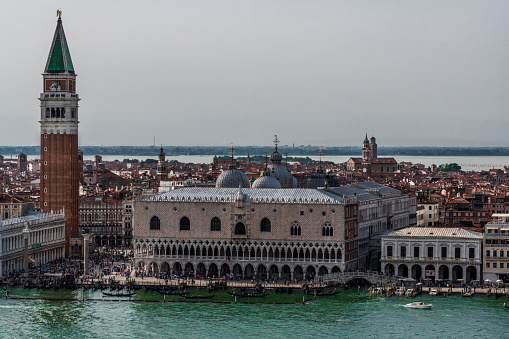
[
  {"x": 59, "y": 135},
  {"x": 366, "y": 149},
  {"x": 161, "y": 165}
]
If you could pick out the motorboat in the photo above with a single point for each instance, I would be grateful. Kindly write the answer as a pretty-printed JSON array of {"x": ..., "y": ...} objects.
[
  {"x": 433, "y": 291},
  {"x": 419, "y": 304}
]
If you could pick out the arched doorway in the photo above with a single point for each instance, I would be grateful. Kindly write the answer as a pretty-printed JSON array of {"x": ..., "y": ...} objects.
[
  {"x": 403, "y": 271},
  {"x": 189, "y": 270},
  {"x": 274, "y": 271},
  {"x": 323, "y": 270},
  {"x": 457, "y": 272},
  {"x": 389, "y": 269},
  {"x": 336, "y": 269},
  {"x": 429, "y": 272},
  {"x": 154, "y": 269},
  {"x": 443, "y": 272},
  {"x": 165, "y": 267},
  {"x": 471, "y": 273},
  {"x": 237, "y": 269},
  {"x": 261, "y": 272},
  {"x": 201, "y": 271},
  {"x": 177, "y": 268},
  {"x": 249, "y": 271},
  {"x": 225, "y": 270},
  {"x": 213, "y": 270},
  {"x": 286, "y": 272},
  {"x": 416, "y": 272},
  {"x": 310, "y": 272},
  {"x": 240, "y": 229},
  {"x": 298, "y": 272}
]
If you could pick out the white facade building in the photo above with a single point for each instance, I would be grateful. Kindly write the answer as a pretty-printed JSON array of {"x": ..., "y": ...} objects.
[
  {"x": 428, "y": 214},
  {"x": 46, "y": 241},
  {"x": 381, "y": 209},
  {"x": 433, "y": 253},
  {"x": 496, "y": 249}
]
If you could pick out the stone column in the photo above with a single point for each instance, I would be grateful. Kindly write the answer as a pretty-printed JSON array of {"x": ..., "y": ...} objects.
[
  {"x": 86, "y": 248},
  {"x": 26, "y": 236}
]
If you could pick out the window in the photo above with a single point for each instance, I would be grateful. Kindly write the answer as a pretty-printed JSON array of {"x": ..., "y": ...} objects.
[
  {"x": 487, "y": 253},
  {"x": 215, "y": 224},
  {"x": 295, "y": 229},
  {"x": 416, "y": 252},
  {"x": 240, "y": 229},
  {"x": 494, "y": 253},
  {"x": 430, "y": 252},
  {"x": 403, "y": 251},
  {"x": 155, "y": 223},
  {"x": 429, "y": 207},
  {"x": 323, "y": 212},
  {"x": 265, "y": 225},
  {"x": 487, "y": 265},
  {"x": 457, "y": 252},
  {"x": 301, "y": 212},
  {"x": 185, "y": 224},
  {"x": 471, "y": 253},
  {"x": 389, "y": 251},
  {"x": 494, "y": 265},
  {"x": 327, "y": 230},
  {"x": 501, "y": 265}
]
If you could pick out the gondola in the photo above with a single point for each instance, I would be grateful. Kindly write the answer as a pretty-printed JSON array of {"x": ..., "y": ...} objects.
[
  {"x": 248, "y": 295},
  {"x": 197, "y": 296},
  {"x": 327, "y": 294},
  {"x": 173, "y": 292},
  {"x": 121, "y": 294},
  {"x": 506, "y": 306}
]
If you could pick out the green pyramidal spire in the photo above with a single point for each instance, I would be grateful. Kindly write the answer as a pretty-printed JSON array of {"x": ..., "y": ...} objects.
[{"x": 59, "y": 59}]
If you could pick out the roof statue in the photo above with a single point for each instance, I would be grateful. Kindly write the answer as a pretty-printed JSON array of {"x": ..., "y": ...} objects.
[{"x": 59, "y": 13}]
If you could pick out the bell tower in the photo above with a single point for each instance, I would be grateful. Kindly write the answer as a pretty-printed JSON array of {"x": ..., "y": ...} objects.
[{"x": 59, "y": 135}]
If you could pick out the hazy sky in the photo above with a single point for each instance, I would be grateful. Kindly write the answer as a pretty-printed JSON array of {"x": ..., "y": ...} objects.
[{"x": 314, "y": 72}]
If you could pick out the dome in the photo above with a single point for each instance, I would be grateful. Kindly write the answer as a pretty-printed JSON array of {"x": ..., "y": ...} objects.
[
  {"x": 232, "y": 178},
  {"x": 283, "y": 175},
  {"x": 266, "y": 181},
  {"x": 276, "y": 157}
]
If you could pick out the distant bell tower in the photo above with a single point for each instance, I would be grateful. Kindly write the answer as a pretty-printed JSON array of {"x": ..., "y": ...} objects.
[
  {"x": 161, "y": 165},
  {"x": 59, "y": 135},
  {"x": 366, "y": 149}
]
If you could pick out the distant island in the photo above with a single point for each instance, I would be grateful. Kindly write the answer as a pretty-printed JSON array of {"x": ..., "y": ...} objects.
[{"x": 291, "y": 151}]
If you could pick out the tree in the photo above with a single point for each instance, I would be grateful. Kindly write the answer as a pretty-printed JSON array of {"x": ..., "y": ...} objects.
[{"x": 453, "y": 167}]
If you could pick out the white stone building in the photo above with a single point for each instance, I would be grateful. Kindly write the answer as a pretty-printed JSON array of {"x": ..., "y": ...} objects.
[
  {"x": 381, "y": 209},
  {"x": 433, "y": 253},
  {"x": 46, "y": 241},
  {"x": 428, "y": 214},
  {"x": 496, "y": 249}
]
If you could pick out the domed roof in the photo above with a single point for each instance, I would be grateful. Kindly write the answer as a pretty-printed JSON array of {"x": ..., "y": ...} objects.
[
  {"x": 266, "y": 181},
  {"x": 232, "y": 178},
  {"x": 161, "y": 152},
  {"x": 276, "y": 157},
  {"x": 283, "y": 175}
]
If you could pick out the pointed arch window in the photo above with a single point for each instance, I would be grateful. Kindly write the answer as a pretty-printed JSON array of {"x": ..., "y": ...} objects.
[
  {"x": 327, "y": 230},
  {"x": 295, "y": 229},
  {"x": 185, "y": 224},
  {"x": 265, "y": 225},
  {"x": 155, "y": 223},
  {"x": 240, "y": 229},
  {"x": 215, "y": 224}
]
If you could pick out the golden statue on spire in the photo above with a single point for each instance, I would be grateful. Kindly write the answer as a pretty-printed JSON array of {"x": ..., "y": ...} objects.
[{"x": 59, "y": 13}]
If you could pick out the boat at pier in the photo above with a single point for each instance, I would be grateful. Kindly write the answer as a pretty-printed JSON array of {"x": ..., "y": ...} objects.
[
  {"x": 419, "y": 304},
  {"x": 119, "y": 294},
  {"x": 248, "y": 295},
  {"x": 199, "y": 296}
]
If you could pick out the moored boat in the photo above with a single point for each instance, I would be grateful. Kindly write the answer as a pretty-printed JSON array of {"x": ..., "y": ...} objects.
[
  {"x": 199, "y": 296},
  {"x": 248, "y": 295},
  {"x": 119, "y": 294}
]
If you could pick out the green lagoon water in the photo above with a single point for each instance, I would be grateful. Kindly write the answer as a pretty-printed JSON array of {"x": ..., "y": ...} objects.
[{"x": 347, "y": 315}]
